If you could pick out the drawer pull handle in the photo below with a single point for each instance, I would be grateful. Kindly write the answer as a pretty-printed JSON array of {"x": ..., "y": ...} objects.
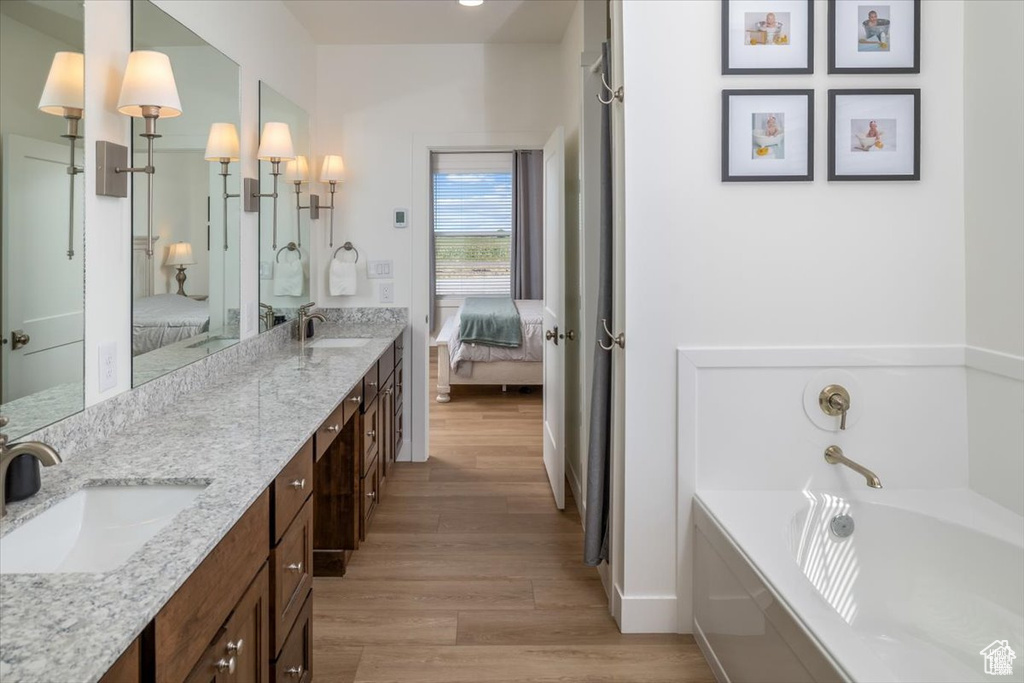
[
  {"x": 372, "y": 384},
  {"x": 372, "y": 495},
  {"x": 236, "y": 647},
  {"x": 372, "y": 434},
  {"x": 356, "y": 399},
  {"x": 294, "y": 672},
  {"x": 332, "y": 428},
  {"x": 225, "y": 665},
  {"x": 298, "y": 484},
  {"x": 294, "y": 567}
]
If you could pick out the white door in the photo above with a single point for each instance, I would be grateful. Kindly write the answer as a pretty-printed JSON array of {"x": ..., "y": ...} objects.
[
  {"x": 43, "y": 290},
  {"x": 554, "y": 314}
]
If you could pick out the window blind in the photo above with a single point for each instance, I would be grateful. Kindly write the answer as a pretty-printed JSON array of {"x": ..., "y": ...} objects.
[{"x": 472, "y": 223}]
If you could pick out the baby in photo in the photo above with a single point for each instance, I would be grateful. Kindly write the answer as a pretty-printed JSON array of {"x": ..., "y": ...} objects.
[
  {"x": 874, "y": 30},
  {"x": 767, "y": 29},
  {"x": 873, "y": 135},
  {"x": 767, "y": 136}
]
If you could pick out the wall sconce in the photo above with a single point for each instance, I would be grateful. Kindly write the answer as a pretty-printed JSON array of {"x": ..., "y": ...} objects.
[
  {"x": 296, "y": 172},
  {"x": 148, "y": 92},
  {"x": 332, "y": 172},
  {"x": 222, "y": 146},
  {"x": 64, "y": 95},
  {"x": 179, "y": 254},
  {"x": 275, "y": 147}
]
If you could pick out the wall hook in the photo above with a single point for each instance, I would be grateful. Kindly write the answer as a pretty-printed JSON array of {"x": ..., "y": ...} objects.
[{"x": 616, "y": 94}]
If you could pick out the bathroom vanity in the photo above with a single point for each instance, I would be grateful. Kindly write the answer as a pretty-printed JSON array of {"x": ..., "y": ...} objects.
[{"x": 289, "y": 469}]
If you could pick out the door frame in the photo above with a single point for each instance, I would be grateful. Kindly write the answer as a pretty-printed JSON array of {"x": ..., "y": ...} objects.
[{"x": 417, "y": 352}]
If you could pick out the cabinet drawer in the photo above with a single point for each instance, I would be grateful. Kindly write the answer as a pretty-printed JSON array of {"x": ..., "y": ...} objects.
[
  {"x": 371, "y": 383},
  {"x": 190, "y": 620},
  {"x": 399, "y": 385},
  {"x": 291, "y": 574},
  {"x": 368, "y": 501},
  {"x": 291, "y": 489},
  {"x": 353, "y": 402},
  {"x": 295, "y": 663},
  {"x": 127, "y": 668},
  {"x": 386, "y": 364},
  {"x": 371, "y": 435},
  {"x": 329, "y": 430},
  {"x": 399, "y": 431}
]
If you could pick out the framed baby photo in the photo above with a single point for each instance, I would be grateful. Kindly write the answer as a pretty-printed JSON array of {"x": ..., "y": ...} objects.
[
  {"x": 874, "y": 134},
  {"x": 867, "y": 37},
  {"x": 767, "y": 36},
  {"x": 767, "y": 135}
]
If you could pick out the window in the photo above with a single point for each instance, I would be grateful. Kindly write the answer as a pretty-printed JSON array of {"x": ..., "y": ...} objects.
[{"x": 472, "y": 222}]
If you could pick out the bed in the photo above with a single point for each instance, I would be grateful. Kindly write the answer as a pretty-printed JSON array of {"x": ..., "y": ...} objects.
[
  {"x": 166, "y": 318},
  {"x": 459, "y": 363}
]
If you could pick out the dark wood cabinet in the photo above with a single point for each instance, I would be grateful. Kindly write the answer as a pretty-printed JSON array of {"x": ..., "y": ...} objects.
[
  {"x": 127, "y": 668},
  {"x": 291, "y": 575},
  {"x": 295, "y": 663}
]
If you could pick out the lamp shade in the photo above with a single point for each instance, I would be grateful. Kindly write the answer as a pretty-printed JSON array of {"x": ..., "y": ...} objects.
[
  {"x": 222, "y": 142},
  {"x": 276, "y": 142},
  {"x": 65, "y": 86},
  {"x": 297, "y": 170},
  {"x": 333, "y": 170},
  {"x": 149, "y": 82},
  {"x": 179, "y": 254}
]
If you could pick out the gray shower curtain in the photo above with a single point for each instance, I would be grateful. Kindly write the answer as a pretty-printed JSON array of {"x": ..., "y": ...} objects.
[
  {"x": 596, "y": 538},
  {"x": 528, "y": 224}
]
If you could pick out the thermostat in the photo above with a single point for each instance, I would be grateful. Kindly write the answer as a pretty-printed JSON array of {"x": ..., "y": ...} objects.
[{"x": 401, "y": 218}]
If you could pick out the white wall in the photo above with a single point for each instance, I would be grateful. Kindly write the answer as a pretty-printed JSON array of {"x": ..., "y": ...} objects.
[
  {"x": 994, "y": 211},
  {"x": 268, "y": 43},
  {"x": 704, "y": 268}
]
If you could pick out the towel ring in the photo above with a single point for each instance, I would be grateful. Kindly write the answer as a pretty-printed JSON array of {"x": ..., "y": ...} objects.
[
  {"x": 347, "y": 247},
  {"x": 288, "y": 247}
]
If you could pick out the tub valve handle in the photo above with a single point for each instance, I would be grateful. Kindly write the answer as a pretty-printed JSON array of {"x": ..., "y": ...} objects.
[{"x": 835, "y": 400}]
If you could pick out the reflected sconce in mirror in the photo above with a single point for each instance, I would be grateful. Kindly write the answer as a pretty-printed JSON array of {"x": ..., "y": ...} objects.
[
  {"x": 179, "y": 255},
  {"x": 148, "y": 91},
  {"x": 296, "y": 172},
  {"x": 222, "y": 146},
  {"x": 64, "y": 95},
  {"x": 332, "y": 173},
  {"x": 275, "y": 147}
]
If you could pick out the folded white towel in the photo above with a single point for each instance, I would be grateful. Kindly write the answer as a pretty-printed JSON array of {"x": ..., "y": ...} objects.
[
  {"x": 289, "y": 278},
  {"x": 342, "y": 278}
]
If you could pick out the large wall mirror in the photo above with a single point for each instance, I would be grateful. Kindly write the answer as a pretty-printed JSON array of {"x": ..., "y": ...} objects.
[
  {"x": 284, "y": 241},
  {"x": 42, "y": 83},
  {"x": 185, "y": 275}
]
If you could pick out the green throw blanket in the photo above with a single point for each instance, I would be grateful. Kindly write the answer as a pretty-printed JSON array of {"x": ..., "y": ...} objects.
[{"x": 492, "y": 321}]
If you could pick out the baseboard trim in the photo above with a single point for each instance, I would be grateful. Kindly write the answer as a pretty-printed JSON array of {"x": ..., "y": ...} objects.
[
  {"x": 709, "y": 654},
  {"x": 577, "y": 493},
  {"x": 649, "y": 614}
]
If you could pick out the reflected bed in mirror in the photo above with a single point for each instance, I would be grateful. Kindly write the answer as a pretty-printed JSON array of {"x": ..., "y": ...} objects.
[
  {"x": 42, "y": 83},
  {"x": 185, "y": 276},
  {"x": 284, "y": 242}
]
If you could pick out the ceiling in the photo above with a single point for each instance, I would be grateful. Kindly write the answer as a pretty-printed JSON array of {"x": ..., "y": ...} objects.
[{"x": 362, "y": 22}]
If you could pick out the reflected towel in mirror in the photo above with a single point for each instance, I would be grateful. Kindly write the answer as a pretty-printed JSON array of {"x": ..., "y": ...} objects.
[
  {"x": 289, "y": 278},
  {"x": 342, "y": 278}
]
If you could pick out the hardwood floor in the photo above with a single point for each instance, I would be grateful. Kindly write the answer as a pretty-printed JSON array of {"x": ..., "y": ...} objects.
[{"x": 469, "y": 573}]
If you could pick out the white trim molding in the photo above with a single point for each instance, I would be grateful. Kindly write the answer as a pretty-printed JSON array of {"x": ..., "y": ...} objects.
[
  {"x": 996, "y": 362},
  {"x": 648, "y": 613},
  {"x": 823, "y": 356}
]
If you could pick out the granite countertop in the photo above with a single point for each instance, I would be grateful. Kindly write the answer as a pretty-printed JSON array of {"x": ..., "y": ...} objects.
[{"x": 235, "y": 435}]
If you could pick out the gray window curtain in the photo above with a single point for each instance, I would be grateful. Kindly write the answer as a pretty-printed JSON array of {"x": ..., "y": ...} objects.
[
  {"x": 596, "y": 538},
  {"x": 528, "y": 225}
]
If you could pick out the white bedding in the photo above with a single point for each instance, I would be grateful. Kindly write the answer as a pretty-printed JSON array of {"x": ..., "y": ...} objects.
[
  {"x": 166, "y": 318},
  {"x": 531, "y": 319}
]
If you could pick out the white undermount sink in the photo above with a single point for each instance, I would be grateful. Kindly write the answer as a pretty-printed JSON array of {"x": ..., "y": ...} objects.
[
  {"x": 94, "y": 530},
  {"x": 338, "y": 343}
]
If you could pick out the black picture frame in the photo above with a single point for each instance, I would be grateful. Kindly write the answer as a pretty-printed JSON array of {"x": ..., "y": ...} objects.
[
  {"x": 748, "y": 71},
  {"x": 833, "y": 69},
  {"x": 833, "y": 94},
  {"x": 727, "y": 176}
]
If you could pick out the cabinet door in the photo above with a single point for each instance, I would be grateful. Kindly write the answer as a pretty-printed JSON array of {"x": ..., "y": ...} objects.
[
  {"x": 370, "y": 435},
  {"x": 387, "y": 430},
  {"x": 127, "y": 668}
]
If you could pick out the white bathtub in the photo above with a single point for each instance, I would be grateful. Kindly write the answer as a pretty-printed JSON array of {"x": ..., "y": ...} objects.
[{"x": 925, "y": 582}]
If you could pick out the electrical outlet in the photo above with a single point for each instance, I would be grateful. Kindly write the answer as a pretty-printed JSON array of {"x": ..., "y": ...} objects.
[
  {"x": 379, "y": 270},
  {"x": 387, "y": 292},
  {"x": 108, "y": 366},
  {"x": 266, "y": 270}
]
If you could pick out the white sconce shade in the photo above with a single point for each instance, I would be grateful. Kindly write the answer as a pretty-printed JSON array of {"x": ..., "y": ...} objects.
[
  {"x": 222, "y": 142},
  {"x": 179, "y": 254},
  {"x": 333, "y": 170},
  {"x": 276, "y": 142},
  {"x": 297, "y": 170},
  {"x": 149, "y": 82},
  {"x": 65, "y": 86}
]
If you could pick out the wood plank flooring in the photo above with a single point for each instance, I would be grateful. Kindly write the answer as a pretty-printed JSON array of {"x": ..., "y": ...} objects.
[{"x": 471, "y": 575}]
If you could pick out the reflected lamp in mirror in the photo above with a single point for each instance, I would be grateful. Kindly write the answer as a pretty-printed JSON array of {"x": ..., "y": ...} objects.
[
  {"x": 64, "y": 95},
  {"x": 222, "y": 146},
  {"x": 179, "y": 255},
  {"x": 332, "y": 172},
  {"x": 296, "y": 172},
  {"x": 148, "y": 91},
  {"x": 275, "y": 147}
]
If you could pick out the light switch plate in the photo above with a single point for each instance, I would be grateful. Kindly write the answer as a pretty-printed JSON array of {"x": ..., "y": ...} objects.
[
  {"x": 387, "y": 292},
  {"x": 266, "y": 270},
  {"x": 108, "y": 366},
  {"x": 380, "y": 270}
]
